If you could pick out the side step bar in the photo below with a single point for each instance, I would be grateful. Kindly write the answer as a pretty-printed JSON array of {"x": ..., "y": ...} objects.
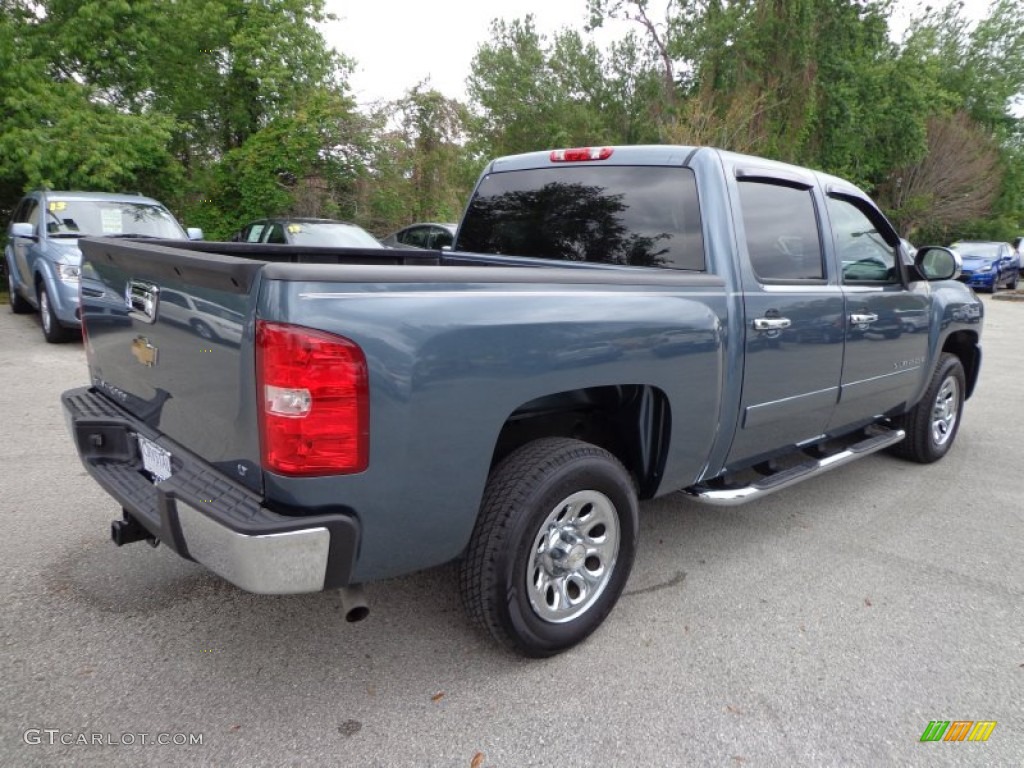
[{"x": 731, "y": 497}]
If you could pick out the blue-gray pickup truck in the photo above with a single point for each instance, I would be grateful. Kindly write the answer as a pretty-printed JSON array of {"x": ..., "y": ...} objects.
[{"x": 612, "y": 324}]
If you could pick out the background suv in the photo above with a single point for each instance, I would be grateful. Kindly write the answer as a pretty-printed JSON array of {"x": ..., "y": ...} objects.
[{"x": 42, "y": 256}]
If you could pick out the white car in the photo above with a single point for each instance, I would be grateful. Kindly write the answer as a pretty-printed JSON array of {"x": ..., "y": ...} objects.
[{"x": 210, "y": 320}]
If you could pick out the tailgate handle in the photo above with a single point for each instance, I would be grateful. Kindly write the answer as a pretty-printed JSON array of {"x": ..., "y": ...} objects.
[{"x": 142, "y": 299}]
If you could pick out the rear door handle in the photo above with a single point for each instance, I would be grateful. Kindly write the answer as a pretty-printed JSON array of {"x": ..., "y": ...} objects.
[
  {"x": 863, "y": 319},
  {"x": 771, "y": 323}
]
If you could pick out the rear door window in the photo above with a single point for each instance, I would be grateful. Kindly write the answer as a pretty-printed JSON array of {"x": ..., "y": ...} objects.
[
  {"x": 781, "y": 231},
  {"x": 631, "y": 215}
]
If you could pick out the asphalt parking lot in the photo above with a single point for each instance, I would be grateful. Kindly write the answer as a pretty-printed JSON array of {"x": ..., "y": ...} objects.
[{"x": 826, "y": 625}]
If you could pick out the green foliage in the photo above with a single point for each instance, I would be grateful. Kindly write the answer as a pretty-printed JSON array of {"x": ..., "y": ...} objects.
[
  {"x": 419, "y": 167},
  {"x": 229, "y": 110}
]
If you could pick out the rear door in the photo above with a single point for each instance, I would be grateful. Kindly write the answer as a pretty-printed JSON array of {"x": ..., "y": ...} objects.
[{"x": 793, "y": 314}]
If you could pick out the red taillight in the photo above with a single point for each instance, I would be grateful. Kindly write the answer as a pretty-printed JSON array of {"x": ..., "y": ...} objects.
[
  {"x": 580, "y": 153},
  {"x": 314, "y": 408}
]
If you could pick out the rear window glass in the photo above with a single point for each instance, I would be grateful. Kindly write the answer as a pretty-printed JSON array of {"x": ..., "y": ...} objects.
[{"x": 633, "y": 215}]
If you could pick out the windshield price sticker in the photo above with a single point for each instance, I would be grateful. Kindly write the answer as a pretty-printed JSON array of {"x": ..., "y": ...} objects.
[{"x": 110, "y": 221}]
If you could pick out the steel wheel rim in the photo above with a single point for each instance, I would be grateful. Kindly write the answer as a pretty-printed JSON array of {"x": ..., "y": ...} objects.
[
  {"x": 945, "y": 411},
  {"x": 573, "y": 556},
  {"x": 44, "y": 310}
]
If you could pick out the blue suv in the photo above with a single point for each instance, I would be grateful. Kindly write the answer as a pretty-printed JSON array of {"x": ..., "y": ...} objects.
[{"x": 42, "y": 257}]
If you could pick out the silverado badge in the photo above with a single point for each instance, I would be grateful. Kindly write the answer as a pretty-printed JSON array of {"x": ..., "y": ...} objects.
[{"x": 144, "y": 352}]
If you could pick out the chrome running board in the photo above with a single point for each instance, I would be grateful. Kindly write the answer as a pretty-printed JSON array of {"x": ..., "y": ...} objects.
[{"x": 731, "y": 497}]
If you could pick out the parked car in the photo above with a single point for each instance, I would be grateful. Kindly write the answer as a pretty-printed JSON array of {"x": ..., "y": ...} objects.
[
  {"x": 427, "y": 235},
  {"x": 42, "y": 256},
  {"x": 987, "y": 265},
  {"x": 315, "y": 232},
  {"x": 611, "y": 325},
  {"x": 210, "y": 320}
]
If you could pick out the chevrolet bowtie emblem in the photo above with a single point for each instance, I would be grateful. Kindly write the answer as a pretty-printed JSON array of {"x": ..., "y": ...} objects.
[{"x": 144, "y": 352}]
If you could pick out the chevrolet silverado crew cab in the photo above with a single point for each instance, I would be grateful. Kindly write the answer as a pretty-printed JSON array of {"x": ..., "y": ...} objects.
[
  {"x": 42, "y": 257},
  {"x": 611, "y": 325}
]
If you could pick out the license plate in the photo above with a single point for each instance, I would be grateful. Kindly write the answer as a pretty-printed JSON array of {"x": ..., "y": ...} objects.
[{"x": 155, "y": 459}]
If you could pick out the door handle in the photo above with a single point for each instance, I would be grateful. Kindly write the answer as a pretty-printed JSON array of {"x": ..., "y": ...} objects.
[
  {"x": 863, "y": 319},
  {"x": 771, "y": 323}
]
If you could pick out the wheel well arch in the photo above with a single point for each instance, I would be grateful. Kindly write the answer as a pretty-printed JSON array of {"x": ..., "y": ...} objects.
[
  {"x": 964, "y": 344},
  {"x": 630, "y": 421}
]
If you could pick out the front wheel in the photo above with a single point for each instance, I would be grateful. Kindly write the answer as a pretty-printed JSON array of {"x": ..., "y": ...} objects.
[
  {"x": 553, "y": 546},
  {"x": 933, "y": 423},
  {"x": 53, "y": 331}
]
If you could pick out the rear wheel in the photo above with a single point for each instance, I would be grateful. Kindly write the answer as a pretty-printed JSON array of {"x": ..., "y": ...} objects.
[
  {"x": 53, "y": 331},
  {"x": 18, "y": 304},
  {"x": 933, "y": 423},
  {"x": 553, "y": 546}
]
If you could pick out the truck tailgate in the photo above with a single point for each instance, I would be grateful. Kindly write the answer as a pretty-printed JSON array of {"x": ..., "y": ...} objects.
[{"x": 169, "y": 339}]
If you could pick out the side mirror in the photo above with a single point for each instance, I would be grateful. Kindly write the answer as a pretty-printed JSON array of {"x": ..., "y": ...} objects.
[
  {"x": 937, "y": 263},
  {"x": 194, "y": 233},
  {"x": 23, "y": 229}
]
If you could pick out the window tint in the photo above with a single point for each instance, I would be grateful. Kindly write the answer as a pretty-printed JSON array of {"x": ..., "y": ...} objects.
[
  {"x": 416, "y": 237},
  {"x": 635, "y": 215},
  {"x": 21, "y": 214},
  {"x": 275, "y": 234},
  {"x": 440, "y": 237},
  {"x": 864, "y": 256},
  {"x": 782, "y": 231},
  {"x": 32, "y": 213}
]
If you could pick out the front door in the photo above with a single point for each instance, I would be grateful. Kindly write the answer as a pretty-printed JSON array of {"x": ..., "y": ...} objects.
[
  {"x": 887, "y": 321},
  {"x": 794, "y": 323}
]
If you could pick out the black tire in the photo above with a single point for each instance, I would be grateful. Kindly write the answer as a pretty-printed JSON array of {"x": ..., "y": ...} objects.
[
  {"x": 926, "y": 440},
  {"x": 525, "y": 492},
  {"x": 19, "y": 305},
  {"x": 1013, "y": 285},
  {"x": 53, "y": 331}
]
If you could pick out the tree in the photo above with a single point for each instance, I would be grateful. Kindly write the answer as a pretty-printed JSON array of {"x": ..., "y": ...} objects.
[
  {"x": 61, "y": 132},
  {"x": 956, "y": 181},
  {"x": 529, "y": 93},
  {"x": 419, "y": 167}
]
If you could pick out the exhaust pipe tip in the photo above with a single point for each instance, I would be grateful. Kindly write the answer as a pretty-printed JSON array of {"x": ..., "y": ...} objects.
[{"x": 353, "y": 604}]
